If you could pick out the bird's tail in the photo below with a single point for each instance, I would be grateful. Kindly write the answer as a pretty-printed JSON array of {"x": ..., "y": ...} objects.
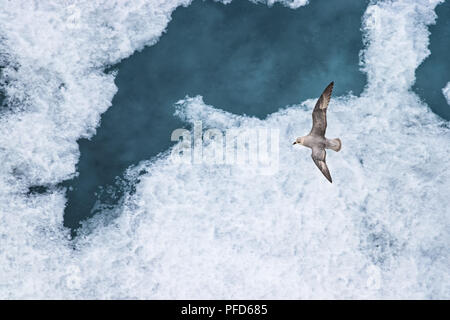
[{"x": 334, "y": 144}]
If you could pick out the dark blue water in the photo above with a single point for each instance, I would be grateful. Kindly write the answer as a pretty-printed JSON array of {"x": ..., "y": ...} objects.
[
  {"x": 2, "y": 96},
  {"x": 242, "y": 57},
  {"x": 434, "y": 73}
]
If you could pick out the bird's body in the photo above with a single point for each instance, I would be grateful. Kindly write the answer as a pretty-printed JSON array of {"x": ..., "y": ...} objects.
[
  {"x": 316, "y": 139},
  {"x": 311, "y": 141}
]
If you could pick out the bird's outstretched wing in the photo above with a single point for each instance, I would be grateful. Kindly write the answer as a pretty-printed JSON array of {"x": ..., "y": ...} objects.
[
  {"x": 319, "y": 114},
  {"x": 318, "y": 155}
]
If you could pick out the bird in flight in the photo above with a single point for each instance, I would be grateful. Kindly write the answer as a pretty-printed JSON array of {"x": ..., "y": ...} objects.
[{"x": 316, "y": 140}]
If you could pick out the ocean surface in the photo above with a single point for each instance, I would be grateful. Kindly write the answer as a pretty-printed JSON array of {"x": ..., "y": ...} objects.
[
  {"x": 284, "y": 57},
  {"x": 2, "y": 94},
  {"x": 92, "y": 205},
  {"x": 432, "y": 74}
]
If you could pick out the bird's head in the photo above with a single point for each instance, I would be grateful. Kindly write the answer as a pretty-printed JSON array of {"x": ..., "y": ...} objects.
[{"x": 299, "y": 140}]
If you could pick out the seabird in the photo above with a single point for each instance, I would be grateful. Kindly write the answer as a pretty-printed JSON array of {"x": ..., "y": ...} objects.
[{"x": 316, "y": 139}]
